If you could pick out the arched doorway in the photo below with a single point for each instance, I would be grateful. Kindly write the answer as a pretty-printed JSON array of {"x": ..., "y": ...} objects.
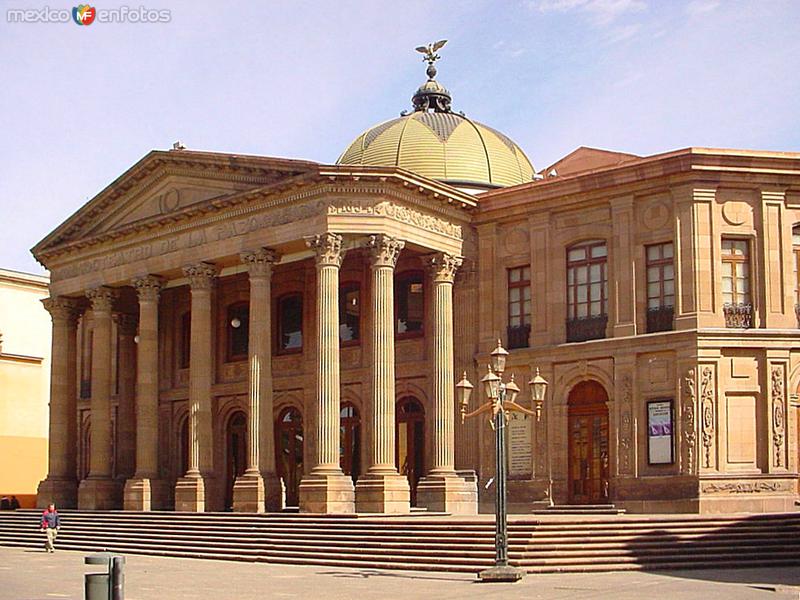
[
  {"x": 182, "y": 450},
  {"x": 86, "y": 449},
  {"x": 588, "y": 444},
  {"x": 350, "y": 440},
  {"x": 289, "y": 450},
  {"x": 235, "y": 453},
  {"x": 410, "y": 452}
]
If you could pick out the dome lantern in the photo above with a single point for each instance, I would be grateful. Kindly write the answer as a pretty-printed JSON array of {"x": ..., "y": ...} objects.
[{"x": 431, "y": 95}]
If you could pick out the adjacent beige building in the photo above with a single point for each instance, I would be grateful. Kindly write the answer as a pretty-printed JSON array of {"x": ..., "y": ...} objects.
[
  {"x": 247, "y": 333},
  {"x": 24, "y": 384}
]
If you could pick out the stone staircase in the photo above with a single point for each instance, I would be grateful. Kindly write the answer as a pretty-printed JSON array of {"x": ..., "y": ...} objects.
[{"x": 554, "y": 543}]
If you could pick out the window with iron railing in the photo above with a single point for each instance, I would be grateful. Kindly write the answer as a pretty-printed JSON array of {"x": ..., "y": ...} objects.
[
  {"x": 587, "y": 291},
  {"x": 737, "y": 306},
  {"x": 519, "y": 307},
  {"x": 660, "y": 287}
]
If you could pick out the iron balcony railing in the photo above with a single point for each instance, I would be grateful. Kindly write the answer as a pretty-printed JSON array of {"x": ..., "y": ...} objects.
[
  {"x": 659, "y": 318},
  {"x": 738, "y": 316},
  {"x": 587, "y": 328},
  {"x": 518, "y": 336}
]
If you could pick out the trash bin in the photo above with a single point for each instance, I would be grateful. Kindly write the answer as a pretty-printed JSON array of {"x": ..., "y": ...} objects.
[{"x": 109, "y": 585}]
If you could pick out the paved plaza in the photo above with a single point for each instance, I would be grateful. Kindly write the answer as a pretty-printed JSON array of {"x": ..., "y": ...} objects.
[{"x": 27, "y": 574}]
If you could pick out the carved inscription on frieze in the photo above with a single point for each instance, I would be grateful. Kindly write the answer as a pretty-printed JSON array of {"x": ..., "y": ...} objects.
[
  {"x": 190, "y": 239},
  {"x": 396, "y": 212}
]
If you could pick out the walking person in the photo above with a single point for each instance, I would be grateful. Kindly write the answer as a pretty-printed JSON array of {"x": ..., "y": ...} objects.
[{"x": 50, "y": 524}]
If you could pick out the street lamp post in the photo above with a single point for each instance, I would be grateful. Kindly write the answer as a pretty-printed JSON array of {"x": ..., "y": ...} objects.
[{"x": 501, "y": 398}]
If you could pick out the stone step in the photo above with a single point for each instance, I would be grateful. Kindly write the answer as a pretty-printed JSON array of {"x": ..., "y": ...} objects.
[{"x": 550, "y": 544}]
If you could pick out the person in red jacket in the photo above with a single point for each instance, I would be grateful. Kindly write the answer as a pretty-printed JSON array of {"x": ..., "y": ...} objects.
[{"x": 50, "y": 524}]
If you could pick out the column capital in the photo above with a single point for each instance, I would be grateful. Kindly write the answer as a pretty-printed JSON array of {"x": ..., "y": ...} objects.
[
  {"x": 260, "y": 262},
  {"x": 148, "y": 287},
  {"x": 384, "y": 250},
  {"x": 328, "y": 248},
  {"x": 102, "y": 298},
  {"x": 62, "y": 308},
  {"x": 443, "y": 266},
  {"x": 201, "y": 275},
  {"x": 126, "y": 324}
]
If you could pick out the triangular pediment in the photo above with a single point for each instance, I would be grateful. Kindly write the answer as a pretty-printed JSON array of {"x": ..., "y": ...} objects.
[
  {"x": 163, "y": 195},
  {"x": 168, "y": 183}
]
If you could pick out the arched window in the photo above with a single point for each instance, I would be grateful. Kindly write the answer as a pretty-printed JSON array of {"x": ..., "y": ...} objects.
[
  {"x": 349, "y": 313},
  {"x": 409, "y": 301},
  {"x": 185, "y": 340},
  {"x": 237, "y": 327},
  {"x": 290, "y": 324},
  {"x": 587, "y": 291}
]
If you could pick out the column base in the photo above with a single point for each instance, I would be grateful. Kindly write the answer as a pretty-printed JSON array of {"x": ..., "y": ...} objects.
[
  {"x": 190, "y": 494},
  {"x": 143, "y": 494},
  {"x": 61, "y": 492},
  {"x": 327, "y": 493},
  {"x": 258, "y": 493},
  {"x": 447, "y": 492},
  {"x": 383, "y": 493},
  {"x": 101, "y": 493},
  {"x": 506, "y": 574}
]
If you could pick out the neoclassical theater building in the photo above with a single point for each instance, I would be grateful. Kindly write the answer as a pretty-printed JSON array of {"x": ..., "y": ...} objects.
[{"x": 248, "y": 333}]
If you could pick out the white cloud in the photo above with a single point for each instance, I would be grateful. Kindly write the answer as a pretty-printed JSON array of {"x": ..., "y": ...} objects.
[
  {"x": 700, "y": 7},
  {"x": 621, "y": 34},
  {"x": 603, "y": 12}
]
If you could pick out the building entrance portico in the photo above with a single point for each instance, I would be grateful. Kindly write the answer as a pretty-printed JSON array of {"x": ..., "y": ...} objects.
[{"x": 213, "y": 318}]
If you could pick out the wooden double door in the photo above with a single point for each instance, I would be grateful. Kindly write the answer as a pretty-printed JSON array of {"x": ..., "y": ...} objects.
[{"x": 588, "y": 454}]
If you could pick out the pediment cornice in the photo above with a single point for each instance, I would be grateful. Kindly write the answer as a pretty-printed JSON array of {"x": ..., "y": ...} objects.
[{"x": 332, "y": 183}]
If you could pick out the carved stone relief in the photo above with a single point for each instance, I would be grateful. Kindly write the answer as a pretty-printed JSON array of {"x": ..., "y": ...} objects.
[
  {"x": 707, "y": 396},
  {"x": 689, "y": 415},
  {"x": 745, "y": 487},
  {"x": 778, "y": 414},
  {"x": 626, "y": 427}
]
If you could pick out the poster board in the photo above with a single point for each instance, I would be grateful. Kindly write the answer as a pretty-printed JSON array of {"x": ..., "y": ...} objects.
[{"x": 660, "y": 432}]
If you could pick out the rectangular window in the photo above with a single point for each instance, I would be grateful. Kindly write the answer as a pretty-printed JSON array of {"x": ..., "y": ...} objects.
[
  {"x": 349, "y": 314},
  {"x": 587, "y": 291},
  {"x": 185, "y": 340},
  {"x": 290, "y": 324},
  {"x": 660, "y": 287},
  {"x": 519, "y": 306},
  {"x": 736, "y": 283},
  {"x": 796, "y": 251},
  {"x": 238, "y": 329},
  {"x": 409, "y": 297}
]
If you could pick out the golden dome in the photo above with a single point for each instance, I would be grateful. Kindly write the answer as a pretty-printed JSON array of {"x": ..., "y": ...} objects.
[
  {"x": 437, "y": 143},
  {"x": 445, "y": 146}
]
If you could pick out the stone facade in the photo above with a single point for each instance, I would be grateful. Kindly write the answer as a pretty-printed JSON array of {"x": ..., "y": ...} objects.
[{"x": 364, "y": 290}]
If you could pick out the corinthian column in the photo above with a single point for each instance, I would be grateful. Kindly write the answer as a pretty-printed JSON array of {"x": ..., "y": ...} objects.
[
  {"x": 382, "y": 489},
  {"x": 99, "y": 491},
  {"x": 191, "y": 490},
  {"x": 442, "y": 489},
  {"x": 326, "y": 489},
  {"x": 61, "y": 485},
  {"x": 259, "y": 489},
  {"x": 145, "y": 491},
  {"x": 125, "y": 450}
]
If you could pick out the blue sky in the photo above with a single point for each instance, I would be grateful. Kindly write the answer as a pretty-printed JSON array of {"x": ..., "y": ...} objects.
[{"x": 80, "y": 105}]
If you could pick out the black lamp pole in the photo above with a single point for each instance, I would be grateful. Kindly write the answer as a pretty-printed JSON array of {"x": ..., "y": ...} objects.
[
  {"x": 502, "y": 398},
  {"x": 501, "y": 571}
]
